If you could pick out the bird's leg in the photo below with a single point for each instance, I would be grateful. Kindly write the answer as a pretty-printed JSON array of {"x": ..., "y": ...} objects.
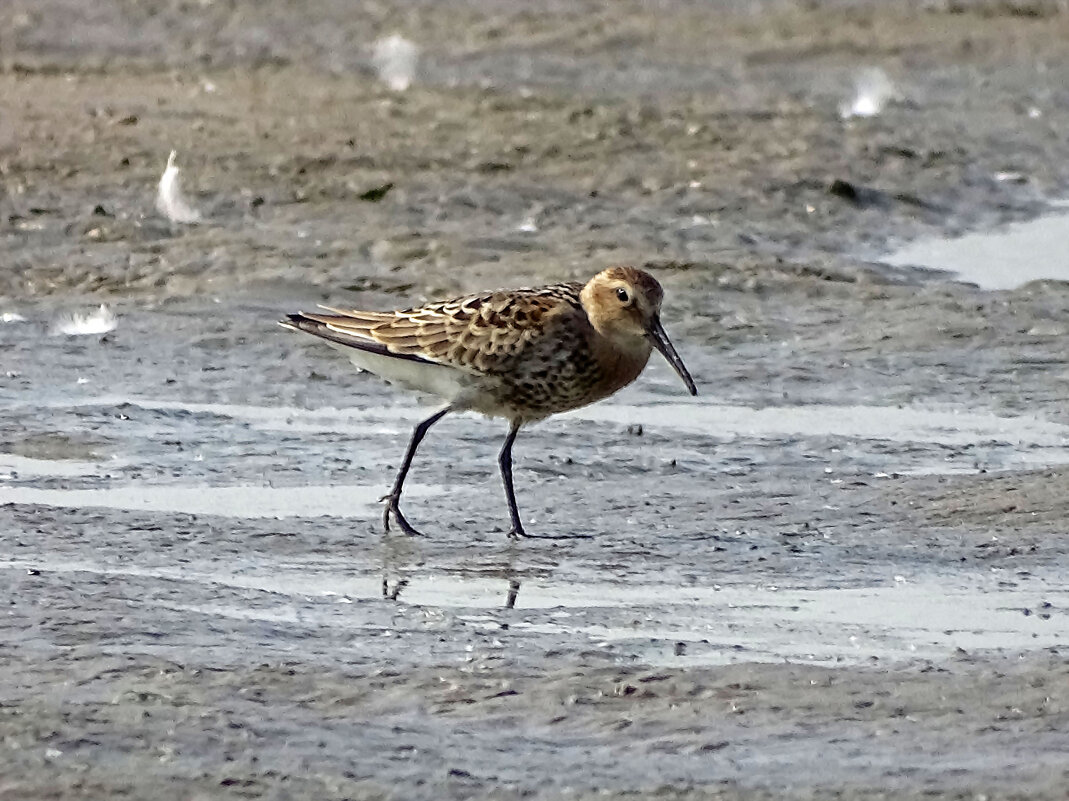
[
  {"x": 395, "y": 494},
  {"x": 504, "y": 459}
]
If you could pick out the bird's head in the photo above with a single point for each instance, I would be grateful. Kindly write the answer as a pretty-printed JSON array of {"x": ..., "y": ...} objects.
[{"x": 624, "y": 305}]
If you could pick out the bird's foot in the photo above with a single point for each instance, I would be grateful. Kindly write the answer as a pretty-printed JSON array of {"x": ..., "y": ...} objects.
[
  {"x": 517, "y": 532},
  {"x": 392, "y": 508}
]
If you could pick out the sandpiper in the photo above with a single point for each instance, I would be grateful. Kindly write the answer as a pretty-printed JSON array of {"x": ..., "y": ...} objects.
[{"x": 520, "y": 354}]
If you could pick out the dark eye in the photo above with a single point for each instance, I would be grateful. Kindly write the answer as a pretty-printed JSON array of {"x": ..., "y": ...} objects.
[{"x": 622, "y": 295}]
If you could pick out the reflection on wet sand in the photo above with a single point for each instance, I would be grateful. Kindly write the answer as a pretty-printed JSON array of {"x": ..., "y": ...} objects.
[
  {"x": 399, "y": 585},
  {"x": 514, "y": 590},
  {"x": 904, "y": 620},
  {"x": 400, "y": 556}
]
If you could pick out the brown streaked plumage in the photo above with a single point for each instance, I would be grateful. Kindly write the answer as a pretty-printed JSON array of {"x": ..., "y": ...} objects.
[{"x": 521, "y": 354}]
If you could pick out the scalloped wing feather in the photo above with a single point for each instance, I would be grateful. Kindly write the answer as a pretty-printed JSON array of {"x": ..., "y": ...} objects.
[{"x": 478, "y": 334}]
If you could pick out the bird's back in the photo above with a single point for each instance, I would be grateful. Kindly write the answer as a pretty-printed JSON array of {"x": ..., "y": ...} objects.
[{"x": 521, "y": 354}]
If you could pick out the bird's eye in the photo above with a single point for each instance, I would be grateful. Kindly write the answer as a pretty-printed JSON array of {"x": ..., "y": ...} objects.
[{"x": 622, "y": 296}]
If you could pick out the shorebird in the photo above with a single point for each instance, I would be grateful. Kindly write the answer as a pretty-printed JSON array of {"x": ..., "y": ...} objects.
[{"x": 520, "y": 354}]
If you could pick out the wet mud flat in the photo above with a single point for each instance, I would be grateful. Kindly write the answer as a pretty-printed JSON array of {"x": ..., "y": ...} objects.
[
  {"x": 776, "y": 601},
  {"x": 837, "y": 573}
]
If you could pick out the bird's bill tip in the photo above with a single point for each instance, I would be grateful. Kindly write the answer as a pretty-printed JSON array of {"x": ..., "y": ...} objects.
[{"x": 659, "y": 339}]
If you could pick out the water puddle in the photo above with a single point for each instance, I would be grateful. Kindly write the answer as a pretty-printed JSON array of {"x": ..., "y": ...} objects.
[
  {"x": 248, "y": 502},
  {"x": 926, "y": 618},
  {"x": 887, "y": 423},
  {"x": 946, "y": 441},
  {"x": 1002, "y": 259},
  {"x": 12, "y": 465},
  {"x": 292, "y": 419}
]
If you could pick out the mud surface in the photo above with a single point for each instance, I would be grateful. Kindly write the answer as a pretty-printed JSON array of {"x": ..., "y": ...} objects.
[{"x": 837, "y": 573}]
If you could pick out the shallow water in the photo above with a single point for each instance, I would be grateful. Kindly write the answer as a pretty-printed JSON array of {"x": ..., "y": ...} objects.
[
  {"x": 902, "y": 620},
  {"x": 233, "y": 501},
  {"x": 722, "y": 533},
  {"x": 13, "y": 465},
  {"x": 1004, "y": 258}
]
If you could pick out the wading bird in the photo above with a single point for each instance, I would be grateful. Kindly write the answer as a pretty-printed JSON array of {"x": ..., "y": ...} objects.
[{"x": 520, "y": 354}]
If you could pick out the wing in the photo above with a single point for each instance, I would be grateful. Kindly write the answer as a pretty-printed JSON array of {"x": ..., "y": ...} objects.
[{"x": 479, "y": 334}]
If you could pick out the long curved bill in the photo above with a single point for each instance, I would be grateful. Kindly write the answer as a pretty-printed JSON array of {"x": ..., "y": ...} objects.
[{"x": 660, "y": 340}]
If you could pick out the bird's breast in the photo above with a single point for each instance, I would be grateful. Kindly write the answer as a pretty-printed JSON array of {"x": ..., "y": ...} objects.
[
  {"x": 560, "y": 379},
  {"x": 616, "y": 368}
]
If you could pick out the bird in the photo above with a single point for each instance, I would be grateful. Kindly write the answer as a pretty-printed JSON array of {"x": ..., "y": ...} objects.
[{"x": 517, "y": 354}]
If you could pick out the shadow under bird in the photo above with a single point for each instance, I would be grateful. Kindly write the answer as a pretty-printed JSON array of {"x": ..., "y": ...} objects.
[{"x": 520, "y": 354}]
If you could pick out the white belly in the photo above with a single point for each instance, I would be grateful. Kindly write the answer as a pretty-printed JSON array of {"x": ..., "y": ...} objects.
[{"x": 448, "y": 383}]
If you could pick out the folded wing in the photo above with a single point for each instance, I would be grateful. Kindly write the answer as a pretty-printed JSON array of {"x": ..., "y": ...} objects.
[{"x": 476, "y": 334}]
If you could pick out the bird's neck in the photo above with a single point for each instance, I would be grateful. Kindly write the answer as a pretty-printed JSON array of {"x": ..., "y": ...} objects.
[{"x": 620, "y": 362}]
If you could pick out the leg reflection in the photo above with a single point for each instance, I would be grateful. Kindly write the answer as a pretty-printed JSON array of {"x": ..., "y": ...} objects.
[
  {"x": 514, "y": 590},
  {"x": 398, "y": 585}
]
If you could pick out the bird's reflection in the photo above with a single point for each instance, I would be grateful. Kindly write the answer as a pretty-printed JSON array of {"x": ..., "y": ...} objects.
[
  {"x": 514, "y": 590},
  {"x": 399, "y": 557},
  {"x": 398, "y": 585},
  {"x": 392, "y": 592}
]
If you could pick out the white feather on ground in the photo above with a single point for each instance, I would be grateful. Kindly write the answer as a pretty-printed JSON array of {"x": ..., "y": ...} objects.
[
  {"x": 170, "y": 202},
  {"x": 79, "y": 324},
  {"x": 395, "y": 59},
  {"x": 872, "y": 91}
]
